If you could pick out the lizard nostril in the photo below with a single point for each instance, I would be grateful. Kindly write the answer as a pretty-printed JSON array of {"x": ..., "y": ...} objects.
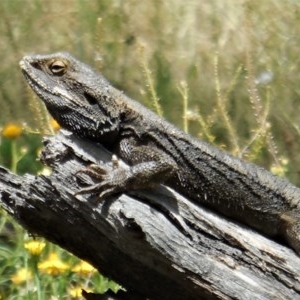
[
  {"x": 36, "y": 65},
  {"x": 90, "y": 99}
]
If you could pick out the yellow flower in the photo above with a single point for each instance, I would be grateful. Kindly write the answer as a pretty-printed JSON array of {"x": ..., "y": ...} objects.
[
  {"x": 281, "y": 168},
  {"x": 12, "y": 131},
  {"x": 76, "y": 291},
  {"x": 34, "y": 247},
  {"x": 83, "y": 268},
  {"x": 54, "y": 124},
  {"x": 21, "y": 276},
  {"x": 45, "y": 171},
  {"x": 53, "y": 265}
]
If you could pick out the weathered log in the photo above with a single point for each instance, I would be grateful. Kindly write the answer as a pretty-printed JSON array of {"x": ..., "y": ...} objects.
[{"x": 155, "y": 243}]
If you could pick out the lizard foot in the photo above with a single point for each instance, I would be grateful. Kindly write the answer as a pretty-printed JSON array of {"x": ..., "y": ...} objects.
[{"x": 112, "y": 176}]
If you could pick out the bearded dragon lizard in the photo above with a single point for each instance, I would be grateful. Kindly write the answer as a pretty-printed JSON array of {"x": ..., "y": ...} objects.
[{"x": 84, "y": 102}]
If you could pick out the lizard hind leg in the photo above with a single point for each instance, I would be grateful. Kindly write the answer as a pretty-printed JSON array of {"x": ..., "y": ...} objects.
[{"x": 290, "y": 228}]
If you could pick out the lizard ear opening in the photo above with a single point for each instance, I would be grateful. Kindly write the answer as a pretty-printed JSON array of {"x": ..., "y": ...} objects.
[{"x": 90, "y": 99}]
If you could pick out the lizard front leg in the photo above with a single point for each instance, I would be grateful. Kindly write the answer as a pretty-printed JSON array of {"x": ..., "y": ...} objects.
[{"x": 148, "y": 166}]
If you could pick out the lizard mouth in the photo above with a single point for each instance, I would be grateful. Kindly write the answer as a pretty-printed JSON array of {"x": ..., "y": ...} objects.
[{"x": 33, "y": 84}]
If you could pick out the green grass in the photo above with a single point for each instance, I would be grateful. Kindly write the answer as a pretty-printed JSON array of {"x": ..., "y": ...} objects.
[{"x": 225, "y": 71}]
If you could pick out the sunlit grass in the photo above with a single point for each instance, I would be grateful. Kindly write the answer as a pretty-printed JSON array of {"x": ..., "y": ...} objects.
[{"x": 34, "y": 272}]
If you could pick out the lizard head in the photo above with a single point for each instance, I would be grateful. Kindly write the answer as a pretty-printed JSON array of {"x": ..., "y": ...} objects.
[{"x": 79, "y": 98}]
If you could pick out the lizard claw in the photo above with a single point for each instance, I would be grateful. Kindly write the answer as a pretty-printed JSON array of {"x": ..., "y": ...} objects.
[
  {"x": 93, "y": 170},
  {"x": 111, "y": 175}
]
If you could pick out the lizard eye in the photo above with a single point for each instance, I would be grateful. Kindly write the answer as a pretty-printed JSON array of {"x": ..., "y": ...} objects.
[{"x": 58, "y": 68}]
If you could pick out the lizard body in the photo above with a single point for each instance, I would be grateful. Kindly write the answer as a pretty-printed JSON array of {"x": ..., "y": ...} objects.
[{"x": 84, "y": 102}]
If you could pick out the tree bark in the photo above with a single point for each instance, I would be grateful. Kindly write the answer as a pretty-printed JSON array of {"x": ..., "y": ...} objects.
[{"x": 155, "y": 243}]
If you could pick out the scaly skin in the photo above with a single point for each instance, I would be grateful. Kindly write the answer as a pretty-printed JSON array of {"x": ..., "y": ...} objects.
[{"x": 82, "y": 101}]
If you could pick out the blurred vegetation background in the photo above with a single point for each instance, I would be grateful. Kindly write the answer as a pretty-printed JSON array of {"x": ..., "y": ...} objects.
[
  {"x": 226, "y": 71},
  {"x": 236, "y": 62}
]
